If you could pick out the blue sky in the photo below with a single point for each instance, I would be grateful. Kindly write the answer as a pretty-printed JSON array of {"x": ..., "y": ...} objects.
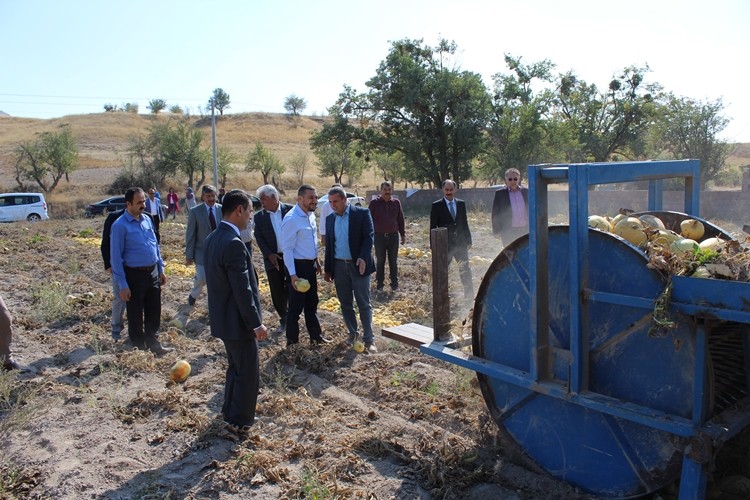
[{"x": 61, "y": 57}]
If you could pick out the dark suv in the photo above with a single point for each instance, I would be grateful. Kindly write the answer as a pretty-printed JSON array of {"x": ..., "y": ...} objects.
[{"x": 105, "y": 206}]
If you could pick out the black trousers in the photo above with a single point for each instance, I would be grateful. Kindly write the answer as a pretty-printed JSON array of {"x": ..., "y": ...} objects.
[
  {"x": 461, "y": 254},
  {"x": 278, "y": 282},
  {"x": 386, "y": 244},
  {"x": 307, "y": 302},
  {"x": 144, "y": 307},
  {"x": 242, "y": 382}
]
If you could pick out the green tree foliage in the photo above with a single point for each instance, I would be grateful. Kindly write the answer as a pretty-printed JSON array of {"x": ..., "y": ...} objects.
[
  {"x": 337, "y": 160},
  {"x": 391, "y": 165},
  {"x": 176, "y": 109},
  {"x": 110, "y": 108},
  {"x": 417, "y": 105},
  {"x": 299, "y": 165},
  {"x": 264, "y": 161},
  {"x": 130, "y": 107},
  {"x": 219, "y": 100},
  {"x": 294, "y": 105},
  {"x": 46, "y": 160},
  {"x": 688, "y": 129},
  {"x": 156, "y": 105},
  {"x": 517, "y": 134},
  {"x": 608, "y": 122},
  {"x": 226, "y": 159}
]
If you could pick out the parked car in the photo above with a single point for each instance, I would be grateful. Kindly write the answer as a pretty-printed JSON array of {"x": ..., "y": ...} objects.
[
  {"x": 353, "y": 199},
  {"x": 22, "y": 206},
  {"x": 105, "y": 206}
]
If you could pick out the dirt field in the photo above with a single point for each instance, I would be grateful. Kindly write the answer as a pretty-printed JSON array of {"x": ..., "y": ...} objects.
[{"x": 96, "y": 419}]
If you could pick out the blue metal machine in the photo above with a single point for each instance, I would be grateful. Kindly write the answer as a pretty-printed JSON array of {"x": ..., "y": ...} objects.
[{"x": 569, "y": 363}]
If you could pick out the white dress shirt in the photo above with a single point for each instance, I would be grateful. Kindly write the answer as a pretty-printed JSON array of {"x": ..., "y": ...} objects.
[{"x": 299, "y": 237}]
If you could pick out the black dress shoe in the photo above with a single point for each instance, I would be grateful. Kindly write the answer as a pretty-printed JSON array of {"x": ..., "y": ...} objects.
[
  {"x": 160, "y": 350},
  {"x": 191, "y": 300},
  {"x": 320, "y": 340},
  {"x": 10, "y": 364}
]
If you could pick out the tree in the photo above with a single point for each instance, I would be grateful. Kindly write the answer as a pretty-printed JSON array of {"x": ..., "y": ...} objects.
[
  {"x": 517, "y": 132},
  {"x": 434, "y": 115},
  {"x": 294, "y": 105},
  {"x": 176, "y": 109},
  {"x": 219, "y": 100},
  {"x": 610, "y": 122},
  {"x": 264, "y": 161},
  {"x": 156, "y": 105},
  {"x": 225, "y": 164},
  {"x": 130, "y": 107},
  {"x": 688, "y": 128},
  {"x": 299, "y": 166},
  {"x": 110, "y": 108},
  {"x": 336, "y": 160},
  {"x": 52, "y": 154}
]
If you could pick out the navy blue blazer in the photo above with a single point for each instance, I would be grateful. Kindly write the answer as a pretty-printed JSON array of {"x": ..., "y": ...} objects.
[
  {"x": 361, "y": 239},
  {"x": 265, "y": 237}
]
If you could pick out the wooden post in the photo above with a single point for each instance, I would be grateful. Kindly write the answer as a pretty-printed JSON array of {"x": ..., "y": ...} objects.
[{"x": 441, "y": 309}]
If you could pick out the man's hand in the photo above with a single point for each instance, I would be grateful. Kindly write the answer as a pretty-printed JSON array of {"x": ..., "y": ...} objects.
[
  {"x": 162, "y": 278},
  {"x": 125, "y": 294},
  {"x": 327, "y": 277},
  {"x": 318, "y": 267},
  {"x": 109, "y": 270},
  {"x": 361, "y": 264},
  {"x": 403, "y": 240},
  {"x": 189, "y": 262},
  {"x": 261, "y": 333},
  {"x": 274, "y": 260}
]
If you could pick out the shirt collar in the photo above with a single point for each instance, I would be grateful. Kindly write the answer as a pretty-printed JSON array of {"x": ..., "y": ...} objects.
[{"x": 235, "y": 228}]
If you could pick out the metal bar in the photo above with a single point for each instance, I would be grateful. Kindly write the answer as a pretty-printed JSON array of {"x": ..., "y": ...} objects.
[
  {"x": 578, "y": 240},
  {"x": 693, "y": 189},
  {"x": 692, "y": 480},
  {"x": 650, "y": 417},
  {"x": 655, "y": 194},
  {"x": 712, "y": 312},
  {"x": 540, "y": 356},
  {"x": 623, "y": 300}
]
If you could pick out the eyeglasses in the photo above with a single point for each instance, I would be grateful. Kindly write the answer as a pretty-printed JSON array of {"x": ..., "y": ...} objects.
[{"x": 512, "y": 179}]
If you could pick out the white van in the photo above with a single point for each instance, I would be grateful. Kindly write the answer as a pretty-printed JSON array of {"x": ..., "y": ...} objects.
[{"x": 22, "y": 206}]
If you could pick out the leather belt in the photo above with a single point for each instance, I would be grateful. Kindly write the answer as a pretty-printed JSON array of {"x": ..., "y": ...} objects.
[
  {"x": 145, "y": 269},
  {"x": 348, "y": 261}
]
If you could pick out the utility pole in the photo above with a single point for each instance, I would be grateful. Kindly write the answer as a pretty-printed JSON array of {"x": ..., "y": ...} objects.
[{"x": 213, "y": 143}]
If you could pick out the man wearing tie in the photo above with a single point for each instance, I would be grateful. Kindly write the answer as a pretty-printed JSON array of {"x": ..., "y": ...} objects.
[
  {"x": 202, "y": 220},
  {"x": 450, "y": 212},
  {"x": 153, "y": 208},
  {"x": 267, "y": 233}
]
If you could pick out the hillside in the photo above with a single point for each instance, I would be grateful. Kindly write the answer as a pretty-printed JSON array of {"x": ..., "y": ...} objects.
[{"x": 103, "y": 140}]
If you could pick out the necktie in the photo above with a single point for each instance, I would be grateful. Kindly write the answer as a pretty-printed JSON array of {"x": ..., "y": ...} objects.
[
  {"x": 211, "y": 218},
  {"x": 453, "y": 209}
]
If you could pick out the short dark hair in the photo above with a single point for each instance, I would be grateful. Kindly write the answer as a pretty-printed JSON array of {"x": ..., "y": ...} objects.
[
  {"x": 232, "y": 200},
  {"x": 386, "y": 184},
  {"x": 208, "y": 188},
  {"x": 130, "y": 193},
  {"x": 303, "y": 188},
  {"x": 337, "y": 190}
]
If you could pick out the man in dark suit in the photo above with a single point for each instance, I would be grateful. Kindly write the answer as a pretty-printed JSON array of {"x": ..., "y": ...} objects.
[
  {"x": 118, "y": 305},
  {"x": 510, "y": 209},
  {"x": 234, "y": 308},
  {"x": 154, "y": 209},
  {"x": 450, "y": 212},
  {"x": 349, "y": 263},
  {"x": 267, "y": 233},
  {"x": 202, "y": 219}
]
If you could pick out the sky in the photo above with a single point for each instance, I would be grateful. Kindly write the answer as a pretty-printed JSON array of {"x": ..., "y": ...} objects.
[{"x": 63, "y": 57}]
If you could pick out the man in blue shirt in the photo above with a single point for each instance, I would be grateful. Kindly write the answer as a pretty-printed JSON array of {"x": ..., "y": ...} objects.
[
  {"x": 349, "y": 263},
  {"x": 139, "y": 270}
]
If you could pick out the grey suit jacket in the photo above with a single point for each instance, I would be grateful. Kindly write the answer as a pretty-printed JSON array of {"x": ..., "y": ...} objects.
[
  {"x": 198, "y": 229},
  {"x": 233, "y": 301}
]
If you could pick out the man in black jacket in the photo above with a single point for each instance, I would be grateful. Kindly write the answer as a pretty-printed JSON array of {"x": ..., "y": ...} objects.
[
  {"x": 234, "y": 308},
  {"x": 510, "y": 209},
  {"x": 450, "y": 212},
  {"x": 118, "y": 305},
  {"x": 267, "y": 234}
]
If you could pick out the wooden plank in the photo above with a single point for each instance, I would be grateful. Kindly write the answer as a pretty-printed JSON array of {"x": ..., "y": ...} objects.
[
  {"x": 411, "y": 334},
  {"x": 441, "y": 304},
  {"x": 746, "y": 228}
]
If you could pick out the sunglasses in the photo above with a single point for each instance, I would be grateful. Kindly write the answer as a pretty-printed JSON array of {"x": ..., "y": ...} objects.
[{"x": 512, "y": 179}]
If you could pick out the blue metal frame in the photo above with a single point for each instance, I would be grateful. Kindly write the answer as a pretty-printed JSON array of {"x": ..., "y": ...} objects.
[{"x": 695, "y": 297}]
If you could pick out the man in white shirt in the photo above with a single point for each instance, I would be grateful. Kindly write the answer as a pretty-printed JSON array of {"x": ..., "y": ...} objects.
[{"x": 299, "y": 245}]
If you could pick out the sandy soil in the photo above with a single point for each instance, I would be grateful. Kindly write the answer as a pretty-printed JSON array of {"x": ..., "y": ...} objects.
[{"x": 96, "y": 419}]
